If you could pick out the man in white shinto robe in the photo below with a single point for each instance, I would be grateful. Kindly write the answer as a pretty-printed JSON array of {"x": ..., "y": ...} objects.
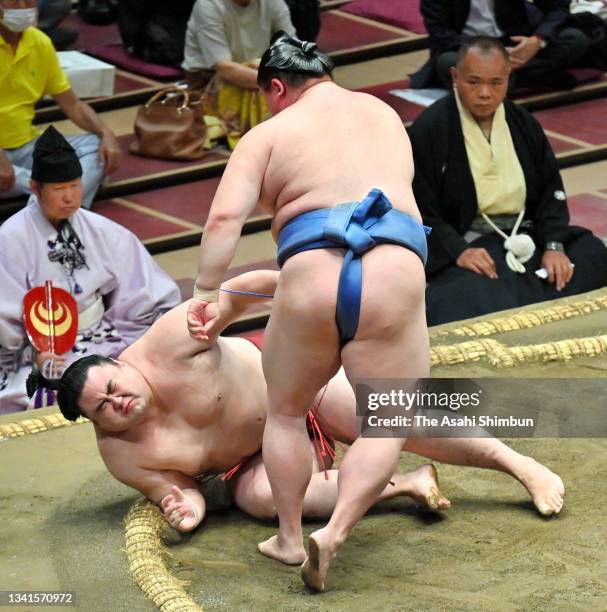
[{"x": 119, "y": 289}]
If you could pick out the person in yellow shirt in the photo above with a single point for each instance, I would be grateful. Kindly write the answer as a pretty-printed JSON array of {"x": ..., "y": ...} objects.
[{"x": 29, "y": 69}]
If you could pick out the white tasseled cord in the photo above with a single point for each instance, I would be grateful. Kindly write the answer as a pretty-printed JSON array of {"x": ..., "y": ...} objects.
[{"x": 519, "y": 247}]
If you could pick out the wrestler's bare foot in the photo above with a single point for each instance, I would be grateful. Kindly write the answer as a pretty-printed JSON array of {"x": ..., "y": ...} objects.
[
  {"x": 422, "y": 486},
  {"x": 321, "y": 550},
  {"x": 545, "y": 487},
  {"x": 291, "y": 555}
]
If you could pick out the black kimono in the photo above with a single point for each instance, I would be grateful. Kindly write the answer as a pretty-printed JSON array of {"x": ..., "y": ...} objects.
[{"x": 446, "y": 195}]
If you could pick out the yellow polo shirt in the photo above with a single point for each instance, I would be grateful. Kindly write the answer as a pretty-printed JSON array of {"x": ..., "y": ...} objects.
[{"x": 25, "y": 77}]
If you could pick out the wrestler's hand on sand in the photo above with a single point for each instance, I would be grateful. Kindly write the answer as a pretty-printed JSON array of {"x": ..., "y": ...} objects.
[
  {"x": 478, "y": 261},
  {"x": 179, "y": 510},
  {"x": 203, "y": 319}
]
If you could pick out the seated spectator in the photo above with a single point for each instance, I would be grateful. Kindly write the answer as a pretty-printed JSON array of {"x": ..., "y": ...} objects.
[
  {"x": 119, "y": 289},
  {"x": 225, "y": 38},
  {"x": 539, "y": 46},
  {"x": 29, "y": 69},
  {"x": 155, "y": 30},
  {"x": 50, "y": 14},
  {"x": 483, "y": 165}
]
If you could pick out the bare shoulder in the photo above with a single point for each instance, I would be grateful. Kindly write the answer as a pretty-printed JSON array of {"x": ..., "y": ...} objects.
[
  {"x": 170, "y": 328},
  {"x": 169, "y": 319},
  {"x": 260, "y": 137},
  {"x": 252, "y": 152},
  {"x": 167, "y": 344},
  {"x": 376, "y": 105}
]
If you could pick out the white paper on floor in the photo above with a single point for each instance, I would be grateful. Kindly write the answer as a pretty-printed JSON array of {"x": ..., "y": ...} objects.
[{"x": 423, "y": 97}]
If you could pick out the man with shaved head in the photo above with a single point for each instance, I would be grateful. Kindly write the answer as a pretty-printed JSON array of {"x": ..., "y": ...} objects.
[{"x": 487, "y": 181}]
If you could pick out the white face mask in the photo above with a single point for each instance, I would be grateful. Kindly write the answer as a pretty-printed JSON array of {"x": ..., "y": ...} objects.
[{"x": 18, "y": 20}]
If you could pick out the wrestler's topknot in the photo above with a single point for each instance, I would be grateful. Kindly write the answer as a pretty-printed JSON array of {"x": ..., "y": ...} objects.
[
  {"x": 308, "y": 47},
  {"x": 293, "y": 61},
  {"x": 36, "y": 380}
]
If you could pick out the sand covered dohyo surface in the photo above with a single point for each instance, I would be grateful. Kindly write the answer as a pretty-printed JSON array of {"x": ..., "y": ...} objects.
[
  {"x": 63, "y": 527},
  {"x": 490, "y": 551},
  {"x": 63, "y": 530}
]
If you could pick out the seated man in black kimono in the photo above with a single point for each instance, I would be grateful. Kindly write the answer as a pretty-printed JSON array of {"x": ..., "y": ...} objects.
[
  {"x": 540, "y": 44},
  {"x": 484, "y": 173}
]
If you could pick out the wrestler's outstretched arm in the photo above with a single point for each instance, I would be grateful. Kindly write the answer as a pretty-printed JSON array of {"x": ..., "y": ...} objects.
[
  {"x": 166, "y": 331},
  {"x": 237, "y": 196},
  {"x": 233, "y": 305}
]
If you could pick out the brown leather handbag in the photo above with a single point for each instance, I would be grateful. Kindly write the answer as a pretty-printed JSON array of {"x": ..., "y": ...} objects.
[{"x": 170, "y": 126}]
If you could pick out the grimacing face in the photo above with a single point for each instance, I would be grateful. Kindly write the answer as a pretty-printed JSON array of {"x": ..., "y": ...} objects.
[
  {"x": 115, "y": 396},
  {"x": 59, "y": 201},
  {"x": 481, "y": 81}
]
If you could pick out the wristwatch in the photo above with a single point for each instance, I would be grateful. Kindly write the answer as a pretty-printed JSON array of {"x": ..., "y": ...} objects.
[
  {"x": 543, "y": 41},
  {"x": 555, "y": 246}
]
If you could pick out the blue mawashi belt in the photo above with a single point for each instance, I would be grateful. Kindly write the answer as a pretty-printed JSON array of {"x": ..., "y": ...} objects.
[{"x": 357, "y": 227}]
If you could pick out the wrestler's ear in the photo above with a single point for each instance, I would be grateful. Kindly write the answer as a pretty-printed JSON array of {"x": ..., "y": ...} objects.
[{"x": 278, "y": 87}]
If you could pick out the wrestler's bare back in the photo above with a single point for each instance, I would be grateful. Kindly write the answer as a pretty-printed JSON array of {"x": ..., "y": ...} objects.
[
  {"x": 208, "y": 408},
  {"x": 301, "y": 178}
]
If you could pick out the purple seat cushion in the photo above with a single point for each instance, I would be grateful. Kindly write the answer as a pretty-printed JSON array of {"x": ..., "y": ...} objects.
[
  {"x": 403, "y": 14},
  {"x": 116, "y": 55}
]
